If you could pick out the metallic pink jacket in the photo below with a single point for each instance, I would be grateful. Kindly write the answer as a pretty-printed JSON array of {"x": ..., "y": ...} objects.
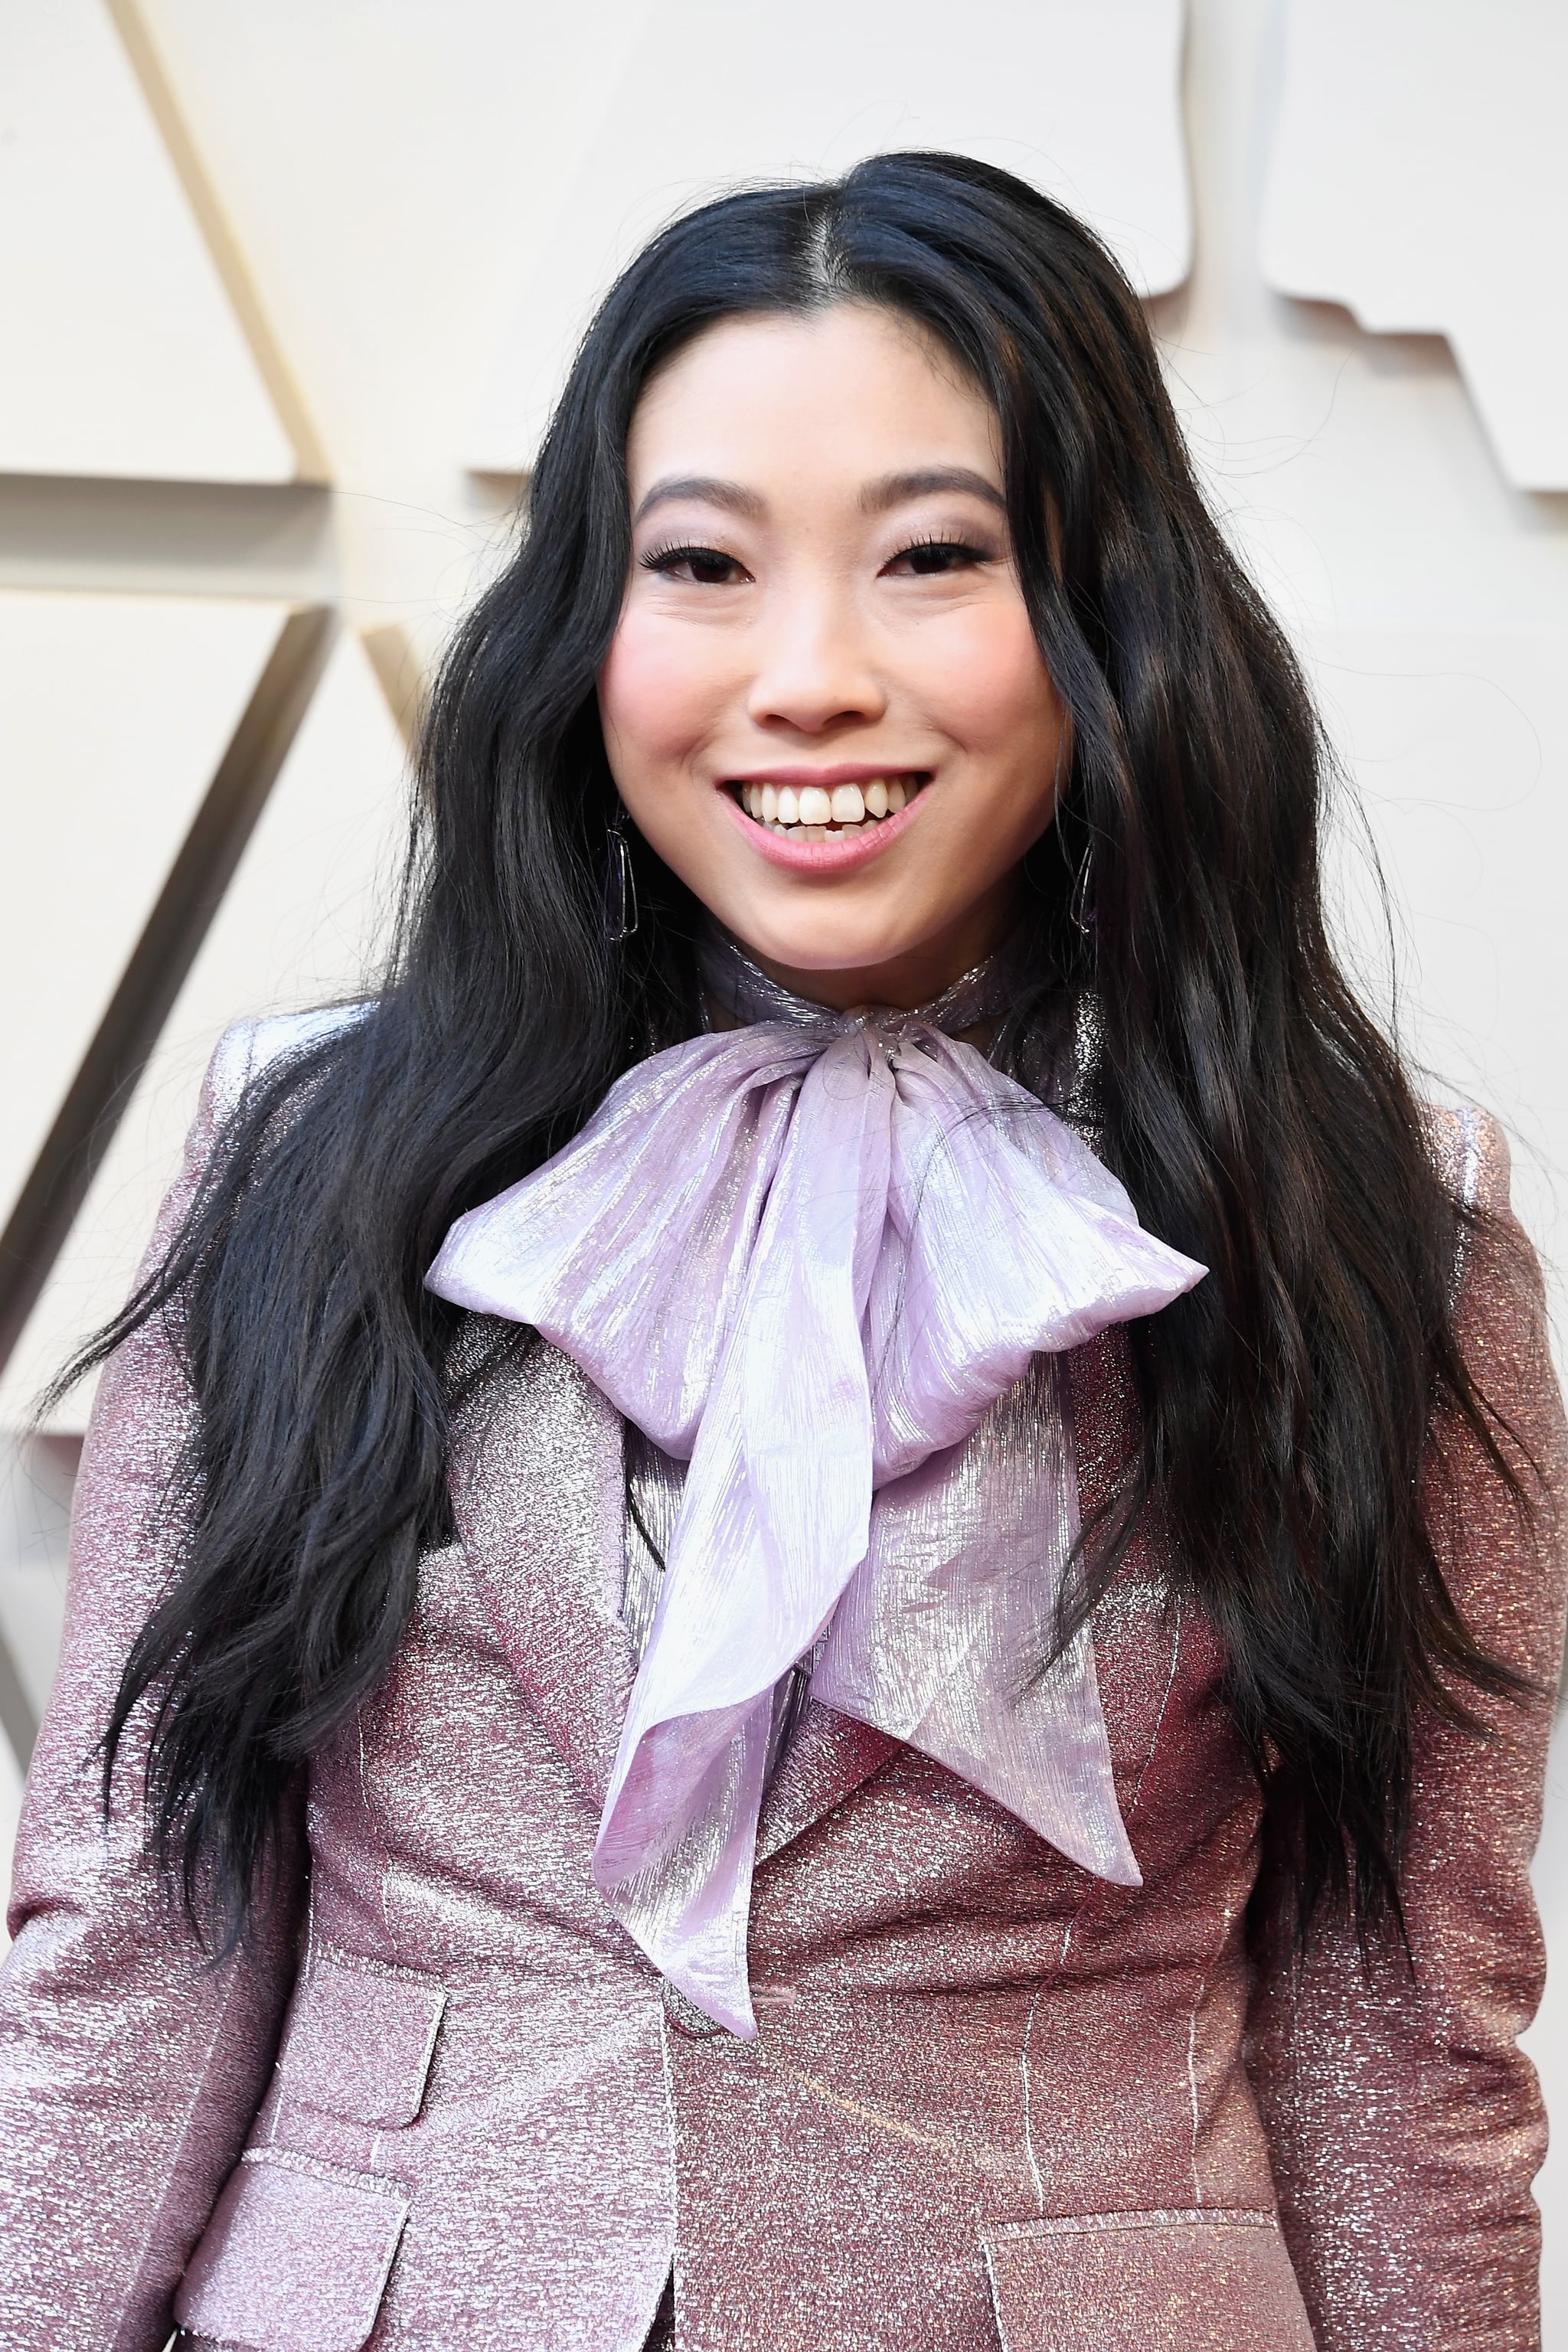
[{"x": 440, "y": 2102}]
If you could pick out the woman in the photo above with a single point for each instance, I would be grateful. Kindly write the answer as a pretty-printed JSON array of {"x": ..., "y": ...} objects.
[{"x": 829, "y": 1560}]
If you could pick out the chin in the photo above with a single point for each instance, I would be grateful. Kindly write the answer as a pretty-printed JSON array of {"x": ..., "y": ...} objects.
[{"x": 824, "y": 940}]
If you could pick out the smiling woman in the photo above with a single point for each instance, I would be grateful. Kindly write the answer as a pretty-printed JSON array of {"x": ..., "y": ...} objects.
[
  {"x": 829, "y": 1566},
  {"x": 825, "y": 638}
]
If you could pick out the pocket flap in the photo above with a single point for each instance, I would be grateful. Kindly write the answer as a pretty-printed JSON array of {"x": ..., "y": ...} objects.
[
  {"x": 1163, "y": 2280},
  {"x": 360, "y": 2040},
  {"x": 295, "y": 2259}
]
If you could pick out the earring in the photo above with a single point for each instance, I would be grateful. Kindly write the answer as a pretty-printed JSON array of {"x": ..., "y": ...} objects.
[
  {"x": 620, "y": 884},
  {"x": 1081, "y": 901}
]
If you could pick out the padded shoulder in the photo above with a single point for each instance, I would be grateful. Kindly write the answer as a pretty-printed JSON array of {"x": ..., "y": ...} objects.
[
  {"x": 1471, "y": 1154},
  {"x": 247, "y": 1047}
]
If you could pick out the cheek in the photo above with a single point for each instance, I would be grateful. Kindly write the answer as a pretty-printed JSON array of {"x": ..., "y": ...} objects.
[
  {"x": 987, "y": 686},
  {"x": 658, "y": 692}
]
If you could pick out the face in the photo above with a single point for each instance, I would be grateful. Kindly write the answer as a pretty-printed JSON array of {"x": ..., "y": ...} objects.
[{"x": 824, "y": 705}]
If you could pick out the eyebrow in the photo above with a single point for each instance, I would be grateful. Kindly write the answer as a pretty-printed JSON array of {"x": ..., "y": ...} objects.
[
  {"x": 705, "y": 488},
  {"x": 894, "y": 489},
  {"x": 891, "y": 491}
]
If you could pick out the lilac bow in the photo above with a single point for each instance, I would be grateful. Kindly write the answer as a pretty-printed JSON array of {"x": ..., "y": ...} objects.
[{"x": 812, "y": 1255}]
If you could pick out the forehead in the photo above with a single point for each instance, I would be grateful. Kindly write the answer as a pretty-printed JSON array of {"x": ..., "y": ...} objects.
[{"x": 846, "y": 393}]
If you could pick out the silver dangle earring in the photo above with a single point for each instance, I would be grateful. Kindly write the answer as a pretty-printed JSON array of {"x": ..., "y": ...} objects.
[{"x": 620, "y": 884}]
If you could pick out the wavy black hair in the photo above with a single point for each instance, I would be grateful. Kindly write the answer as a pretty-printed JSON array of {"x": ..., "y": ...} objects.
[{"x": 1257, "y": 1115}]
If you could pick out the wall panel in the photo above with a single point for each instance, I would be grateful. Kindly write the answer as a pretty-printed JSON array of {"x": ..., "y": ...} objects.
[
  {"x": 1088, "y": 107},
  {"x": 1420, "y": 177},
  {"x": 301, "y": 922},
  {"x": 1457, "y": 743},
  {"x": 120, "y": 352},
  {"x": 118, "y": 712}
]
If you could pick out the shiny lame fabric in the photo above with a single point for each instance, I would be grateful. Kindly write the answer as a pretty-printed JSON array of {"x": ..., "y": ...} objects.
[
  {"x": 441, "y": 2099},
  {"x": 810, "y": 1255}
]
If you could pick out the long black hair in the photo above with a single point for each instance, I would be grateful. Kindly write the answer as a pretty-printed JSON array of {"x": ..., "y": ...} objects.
[{"x": 1258, "y": 1116}]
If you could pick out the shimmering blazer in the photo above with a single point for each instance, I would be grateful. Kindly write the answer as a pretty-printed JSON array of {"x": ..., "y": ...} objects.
[{"x": 440, "y": 2102}]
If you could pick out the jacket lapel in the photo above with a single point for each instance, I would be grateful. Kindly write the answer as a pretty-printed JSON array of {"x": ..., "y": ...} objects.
[
  {"x": 832, "y": 1754},
  {"x": 538, "y": 1497},
  {"x": 539, "y": 1493},
  {"x": 827, "y": 1761}
]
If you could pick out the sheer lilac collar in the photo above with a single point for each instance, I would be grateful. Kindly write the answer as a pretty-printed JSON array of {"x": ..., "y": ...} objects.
[
  {"x": 731, "y": 978},
  {"x": 814, "y": 1255}
]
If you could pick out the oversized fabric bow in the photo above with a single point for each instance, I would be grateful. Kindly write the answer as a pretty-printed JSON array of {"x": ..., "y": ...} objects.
[{"x": 809, "y": 1255}]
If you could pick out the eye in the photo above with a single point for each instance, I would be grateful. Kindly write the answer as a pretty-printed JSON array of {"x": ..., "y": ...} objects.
[
  {"x": 930, "y": 558},
  {"x": 705, "y": 567}
]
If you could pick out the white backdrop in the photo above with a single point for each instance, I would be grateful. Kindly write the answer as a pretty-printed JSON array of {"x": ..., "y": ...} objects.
[{"x": 284, "y": 293}]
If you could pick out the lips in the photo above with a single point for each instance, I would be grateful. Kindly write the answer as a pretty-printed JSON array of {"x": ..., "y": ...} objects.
[{"x": 829, "y": 810}]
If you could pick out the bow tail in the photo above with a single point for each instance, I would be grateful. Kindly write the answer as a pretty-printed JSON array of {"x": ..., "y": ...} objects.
[
  {"x": 689, "y": 1910},
  {"x": 677, "y": 1843},
  {"x": 942, "y": 1637}
]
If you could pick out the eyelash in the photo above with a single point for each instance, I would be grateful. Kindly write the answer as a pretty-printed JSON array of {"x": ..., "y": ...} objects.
[
  {"x": 967, "y": 547},
  {"x": 660, "y": 559},
  {"x": 664, "y": 559}
]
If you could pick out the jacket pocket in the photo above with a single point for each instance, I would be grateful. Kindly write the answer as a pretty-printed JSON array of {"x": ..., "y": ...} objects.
[
  {"x": 1163, "y": 2280},
  {"x": 295, "y": 2259},
  {"x": 360, "y": 2040}
]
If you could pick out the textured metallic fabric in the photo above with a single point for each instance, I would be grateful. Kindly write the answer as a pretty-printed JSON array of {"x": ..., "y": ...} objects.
[
  {"x": 442, "y": 2100},
  {"x": 655, "y": 1484},
  {"x": 810, "y": 1255}
]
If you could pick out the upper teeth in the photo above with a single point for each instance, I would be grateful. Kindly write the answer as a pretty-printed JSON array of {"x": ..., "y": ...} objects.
[{"x": 787, "y": 808}]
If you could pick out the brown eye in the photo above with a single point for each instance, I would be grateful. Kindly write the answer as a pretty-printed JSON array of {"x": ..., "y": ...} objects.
[
  {"x": 704, "y": 566},
  {"x": 931, "y": 558}
]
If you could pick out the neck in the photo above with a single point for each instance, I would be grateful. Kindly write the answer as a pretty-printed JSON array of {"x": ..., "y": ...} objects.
[{"x": 918, "y": 976}]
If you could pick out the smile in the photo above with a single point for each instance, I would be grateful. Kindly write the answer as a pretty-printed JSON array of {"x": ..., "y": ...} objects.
[{"x": 820, "y": 813}]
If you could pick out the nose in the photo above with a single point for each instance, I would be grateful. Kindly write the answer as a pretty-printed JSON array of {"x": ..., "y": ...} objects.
[{"x": 814, "y": 671}]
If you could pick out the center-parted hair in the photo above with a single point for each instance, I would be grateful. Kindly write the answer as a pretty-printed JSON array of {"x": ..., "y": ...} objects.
[{"x": 1258, "y": 1117}]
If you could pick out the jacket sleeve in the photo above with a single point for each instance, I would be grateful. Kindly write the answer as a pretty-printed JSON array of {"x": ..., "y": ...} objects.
[
  {"x": 129, "y": 2066},
  {"x": 1404, "y": 2124}
]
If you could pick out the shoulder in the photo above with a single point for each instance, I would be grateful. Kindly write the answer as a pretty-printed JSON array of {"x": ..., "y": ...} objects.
[
  {"x": 1471, "y": 1152},
  {"x": 249, "y": 1047},
  {"x": 244, "y": 1051},
  {"x": 1497, "y": 1287},
  {"x": 1499, "y": 1306}
]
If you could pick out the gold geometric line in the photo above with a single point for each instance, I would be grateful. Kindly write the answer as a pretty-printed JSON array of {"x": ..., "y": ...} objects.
[
  {"x": 400, "y": 674},
  {"x": 144, "y": 994},
  {"x": 310, "y": 457}
]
